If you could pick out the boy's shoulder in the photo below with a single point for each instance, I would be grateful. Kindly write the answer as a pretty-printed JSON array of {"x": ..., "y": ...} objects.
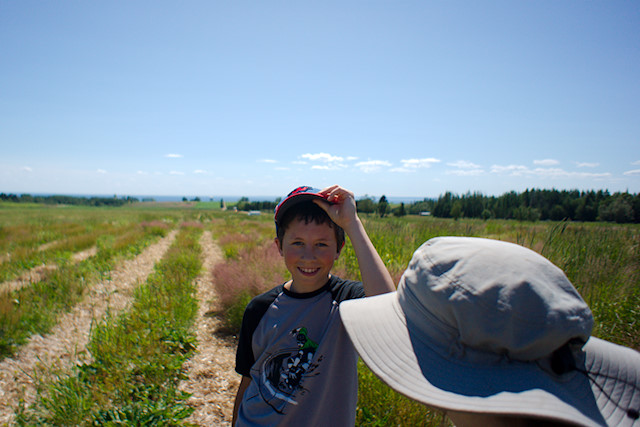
[
  {"x": 344, "y": 289},
  {"x": 261, "y": 303}
]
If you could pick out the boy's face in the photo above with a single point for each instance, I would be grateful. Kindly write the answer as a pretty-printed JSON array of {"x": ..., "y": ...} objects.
[{"x": 309, "y": 251}]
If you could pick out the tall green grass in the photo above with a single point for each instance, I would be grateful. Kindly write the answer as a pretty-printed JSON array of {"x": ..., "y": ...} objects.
[
  {"x": 136, "y": 356},
  {"x": 602, "y": 260},
  {"x": 35, "y": 309}
]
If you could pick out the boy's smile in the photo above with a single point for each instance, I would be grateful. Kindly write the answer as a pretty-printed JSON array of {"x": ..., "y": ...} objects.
[{"x": 309, "y": 251}]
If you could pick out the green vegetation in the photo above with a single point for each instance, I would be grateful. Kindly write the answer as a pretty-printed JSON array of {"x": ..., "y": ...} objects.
[
  {"x": 602, "y": 260},
  {"x": 35, "y": 309},
  {"x": 136, "y": 357},
  {"x": 68, "y": 200},
  {"x": 532, "y": 205},
  {"x": 535, "y": 204}
]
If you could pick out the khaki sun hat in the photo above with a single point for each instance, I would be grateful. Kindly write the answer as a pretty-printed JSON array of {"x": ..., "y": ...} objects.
[{"x": 490, "y": 327}]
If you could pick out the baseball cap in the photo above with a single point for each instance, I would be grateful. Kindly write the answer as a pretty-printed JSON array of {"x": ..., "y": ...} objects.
[{"x": 299, "y": 194}]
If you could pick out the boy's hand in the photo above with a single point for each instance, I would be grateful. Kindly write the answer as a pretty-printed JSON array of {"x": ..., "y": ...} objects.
[
  {"x": 342, "y": 206},
  {"x": 375, "y": 277}
]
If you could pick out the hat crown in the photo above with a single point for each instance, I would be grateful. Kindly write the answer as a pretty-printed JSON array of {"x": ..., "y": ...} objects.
[
  {"x": 297, "y": 195},
  {"x": 486, "y": 298}
]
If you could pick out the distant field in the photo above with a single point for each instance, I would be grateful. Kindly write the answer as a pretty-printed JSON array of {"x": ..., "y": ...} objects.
[{"x": 602, "y": 260}]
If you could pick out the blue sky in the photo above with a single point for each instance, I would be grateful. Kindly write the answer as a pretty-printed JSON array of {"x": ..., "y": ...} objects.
[{"x": 404, "y": 98}]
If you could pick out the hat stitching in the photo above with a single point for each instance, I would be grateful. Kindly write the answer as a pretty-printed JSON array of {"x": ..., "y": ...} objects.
[
  {"x": 458, "y": 346},
  {"x": 633, "y": 413},
  {"x": 592, "y": 372},
  {"x": 441, "y": 269},
  {"x": 449, "y": 344}
]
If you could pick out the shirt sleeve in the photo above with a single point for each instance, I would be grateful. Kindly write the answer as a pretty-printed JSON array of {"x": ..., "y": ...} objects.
[
  {"x": 253, "y": 313},
  {"x": 343, "y": 290}
]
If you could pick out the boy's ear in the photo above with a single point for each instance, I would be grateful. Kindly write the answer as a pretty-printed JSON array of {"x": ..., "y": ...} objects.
[{"x": 278, "y": 245}]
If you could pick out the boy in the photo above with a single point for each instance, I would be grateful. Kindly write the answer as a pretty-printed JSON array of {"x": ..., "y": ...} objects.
[{"x": 298, "y": 366}]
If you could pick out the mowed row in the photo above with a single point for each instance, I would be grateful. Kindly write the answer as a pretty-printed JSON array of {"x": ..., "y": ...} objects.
[{"x": 211, "y": 378}]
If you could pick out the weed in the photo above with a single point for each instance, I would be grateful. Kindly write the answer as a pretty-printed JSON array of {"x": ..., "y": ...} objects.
[{"x": 136, "y": 356}]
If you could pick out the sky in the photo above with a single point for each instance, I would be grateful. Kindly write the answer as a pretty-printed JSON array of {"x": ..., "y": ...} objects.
[{"x": 254, "y": 98}]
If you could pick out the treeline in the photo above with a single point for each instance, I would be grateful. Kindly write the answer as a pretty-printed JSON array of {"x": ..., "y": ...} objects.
[
  {"x": 531, "y": 205},
  {"x": 244, "y": 204},
  {"x": 68, "y": 200}
]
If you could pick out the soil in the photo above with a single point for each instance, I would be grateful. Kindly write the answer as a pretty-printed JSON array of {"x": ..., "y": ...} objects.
[
  {"x": 38, "y": 273},
  {"x": 211, "y": 376},
  {"x": 65, "y": 345},
  {"x": 212, "y": 380}
]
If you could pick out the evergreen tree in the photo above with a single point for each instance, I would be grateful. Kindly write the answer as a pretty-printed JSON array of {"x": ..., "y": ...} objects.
[{"x": 383, "y": 206}]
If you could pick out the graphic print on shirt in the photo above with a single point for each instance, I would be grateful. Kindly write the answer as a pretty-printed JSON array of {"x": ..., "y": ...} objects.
[{"x": 283, "y": 373}]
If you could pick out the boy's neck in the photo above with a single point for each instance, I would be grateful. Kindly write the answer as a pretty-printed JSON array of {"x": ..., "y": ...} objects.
[{"x": 297, "y": 289}]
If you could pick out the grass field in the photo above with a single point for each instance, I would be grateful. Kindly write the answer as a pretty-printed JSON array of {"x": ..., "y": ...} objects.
[{"x": 602, "y": 260}]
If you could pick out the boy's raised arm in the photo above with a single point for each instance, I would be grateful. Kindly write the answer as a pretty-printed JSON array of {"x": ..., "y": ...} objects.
[{"x": 375, "y": 276}]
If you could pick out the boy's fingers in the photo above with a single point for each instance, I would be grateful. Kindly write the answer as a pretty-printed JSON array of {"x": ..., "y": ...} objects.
[
  {"x": 324, "y": 205},
  {"x": 332, "y": 192},
  {"x": 331, "y": 209},
  {"x": 336, "y": 194}
]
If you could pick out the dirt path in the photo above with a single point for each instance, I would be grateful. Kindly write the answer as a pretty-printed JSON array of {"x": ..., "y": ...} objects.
[
  {"x": 38, "y": 273},
  {"x": 212, "y": 379},
  {"x": 64, "y": 345}
]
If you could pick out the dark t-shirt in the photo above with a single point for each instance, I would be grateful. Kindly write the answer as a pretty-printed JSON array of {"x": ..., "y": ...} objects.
[{"x": 299, "y": 357}]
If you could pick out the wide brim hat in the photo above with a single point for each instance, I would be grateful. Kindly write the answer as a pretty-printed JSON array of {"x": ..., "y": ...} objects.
[
  {"x": 298, "y": 195},
  {"x": 476, "y": 325}
]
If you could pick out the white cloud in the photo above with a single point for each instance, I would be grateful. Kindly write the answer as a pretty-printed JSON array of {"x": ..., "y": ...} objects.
[
  {"x": 632, "y": 172},
  {"x": 561, "y": 173},
  {"x": 637, "y": 162},
  {"x": 550, "y": 172},
  {"x": 465, "y": 172},
  {"x": 267, "y": 161},
  {"x": 465, "y": 168},
  {"x": 371, "y": 166},
  {"x": 27, "y": 169},
  {"x": 587, "y": 165},
  {"x": 299, "y": 162},
  {"x": 176, "y": 173},
  {"x": 591, "y": 175},
  {"x": 102, "y": 171},
  {"x": 419, "y": 163},
  {"x": 519, "y": 170},
  {"x": 327, "y": 161},
  {"x": 199, "y": 171},
  {"x": 173, "y": 156},
  {"x": 511, "y": 169},
  {"x": 351, "y": 159},
  {"x": 322, "y": 157},
  {"x": 546, "y": 162},
  {"x": 142, "y": 173},
  {"x": 463, "y": 164}
]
